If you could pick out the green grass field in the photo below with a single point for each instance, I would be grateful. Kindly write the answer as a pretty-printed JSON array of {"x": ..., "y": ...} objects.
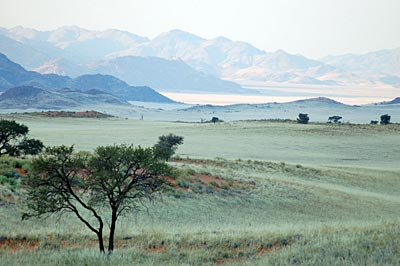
[
  {"x": 313, "y": 144},
  {"x": 314, "y": 194}
]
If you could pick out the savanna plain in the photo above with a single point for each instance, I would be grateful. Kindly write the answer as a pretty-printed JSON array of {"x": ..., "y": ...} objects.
[{"x": 245, "y": 193}]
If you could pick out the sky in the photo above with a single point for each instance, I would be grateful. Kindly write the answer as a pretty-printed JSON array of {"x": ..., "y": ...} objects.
[{"x": 314, "y": 28}]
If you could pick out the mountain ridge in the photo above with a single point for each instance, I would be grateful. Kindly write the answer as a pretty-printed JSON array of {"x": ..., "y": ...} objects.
[
  {"x": 219, "y": 57},
  {"x": 26, "y": 97},
  {"x": 13, "y": 75}
]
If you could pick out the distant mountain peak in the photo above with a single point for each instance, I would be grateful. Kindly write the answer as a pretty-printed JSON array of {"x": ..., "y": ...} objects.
[
  {"x": 177, "y": 34},
  {"x": 394, "y": 101},
  {"x": 23, "y": 91},
  {"x": 219, "y": 57},
  {"x": 9, "y": 66},
  {"x": 281, "y": 52},
  {"x": 222, "y": 39},
  {"x": 319, "y": 100}
]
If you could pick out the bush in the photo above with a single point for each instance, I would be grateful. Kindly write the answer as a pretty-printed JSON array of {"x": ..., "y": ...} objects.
[
  {"x": 335, "y": 119},
  {"x": 215, "y": 119},
  {"x": 167, "y": 145},
  {"x": 385, "y": 119},
  {"x": 303, "y": 119}
]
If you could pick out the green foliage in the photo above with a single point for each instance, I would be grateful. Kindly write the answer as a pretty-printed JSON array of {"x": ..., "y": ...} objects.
[
  {"x": 167, "y": 145},
  {"x": 303, "y": 118},
  {"x": 119, "y": 178},
  {"x": 335, "y": 119},
  {"x": 9, "y": 175},
  {"x": 385, "y": 119},
  {"x": 14, "y": 140},
  {"x": 11, "y": 181},
  {"x": 124, "y": 175},
  {"x": 335, "y": 199},
  {"x": 30, "y": 146},
  {"x": 215, "y": 119},
  {"x": 54, "y": 184}
]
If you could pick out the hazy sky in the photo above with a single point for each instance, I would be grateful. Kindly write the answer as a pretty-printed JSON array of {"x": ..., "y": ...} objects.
[{"x": 314, "y": 28}]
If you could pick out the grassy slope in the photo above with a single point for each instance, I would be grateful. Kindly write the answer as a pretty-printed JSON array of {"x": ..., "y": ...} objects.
[
  {"x": 318, "y": 112},
  {"x": 329, "y": 213},
  {"x": 320, "y": 144}
]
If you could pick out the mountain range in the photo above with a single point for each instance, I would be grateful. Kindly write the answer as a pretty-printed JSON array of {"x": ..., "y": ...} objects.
[
  {"x": 26, "y": 97},
  {"x": 73, "y": 51},
  {"x": 13, "y": 75},
  {"x": 183, "y": 62}
]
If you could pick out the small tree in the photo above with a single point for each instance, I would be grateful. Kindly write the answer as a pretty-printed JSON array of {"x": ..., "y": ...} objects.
[
  {"x": 167, "y": 145},
  {"x": 374, "y": 122},
  {"x": 335, "y": 119},
  {"x": 14, "y": 140},
  {"x": 115, "y": 179},
  {"x": 215, "y": 119},
  {"x": 385, "y": 119},
  {"x": 303, "y": 118}
]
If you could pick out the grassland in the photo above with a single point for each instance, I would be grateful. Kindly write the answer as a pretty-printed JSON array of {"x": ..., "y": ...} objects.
[
  {"x": 314, "y": 144},
  {"x": 284, "y": 194}
]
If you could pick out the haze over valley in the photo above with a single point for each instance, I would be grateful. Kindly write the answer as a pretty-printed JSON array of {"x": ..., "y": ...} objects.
[{"x": 202, "y": 132}]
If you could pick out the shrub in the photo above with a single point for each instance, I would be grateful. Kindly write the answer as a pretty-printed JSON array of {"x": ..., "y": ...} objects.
[
  {"x": 335, "y": 119},
  {"x": 303, "y": 119},
  {"x": 385, "y": 119}
]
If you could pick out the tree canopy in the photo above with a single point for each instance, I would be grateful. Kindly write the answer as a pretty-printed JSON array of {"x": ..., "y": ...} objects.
[
  {"x": 335, "y": 119},
  {"x": 385, "y": 119},
  {"x": 114, "y": 180},
  {"x": 167, "y": 145},
  {"x": 303, "y": 118},
  {"x": 14, "y": 140}
]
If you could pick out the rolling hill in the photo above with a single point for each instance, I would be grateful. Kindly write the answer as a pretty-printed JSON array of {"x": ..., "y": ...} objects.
[
  {"x": 13, "y": 75},
  {"x": 394, "y": 101},
  {"x": 164, "y": 75},
  {"x": 27, "y": 97}
]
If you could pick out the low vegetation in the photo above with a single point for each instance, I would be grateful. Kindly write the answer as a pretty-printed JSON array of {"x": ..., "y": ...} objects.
[
  {"x": 14, "y": 140},
  {"x": 84, "y": 114},
  {"x": 303, "y": 118},
  {"x": 219, "y": 210}
]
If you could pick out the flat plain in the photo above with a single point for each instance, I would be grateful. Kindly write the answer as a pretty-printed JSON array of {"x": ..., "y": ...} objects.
[{"x": 280, "y": 193}]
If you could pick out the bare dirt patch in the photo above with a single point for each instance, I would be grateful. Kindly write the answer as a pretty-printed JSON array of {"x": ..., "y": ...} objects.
[{"x": 18, "y": 244}]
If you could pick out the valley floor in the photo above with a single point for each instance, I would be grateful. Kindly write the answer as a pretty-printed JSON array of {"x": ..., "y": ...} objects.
[{"x": 246, "y": 193}]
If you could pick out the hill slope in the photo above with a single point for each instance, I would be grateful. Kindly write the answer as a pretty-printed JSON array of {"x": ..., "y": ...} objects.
[
  {"x": 218, "y": 57},
  {"x": 26, "y": 97},
  {"x": 14, "y": 75},
  {"x": 164, "y": 75}
]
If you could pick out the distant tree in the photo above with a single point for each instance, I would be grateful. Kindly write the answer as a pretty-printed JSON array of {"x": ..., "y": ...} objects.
[
  {"x": 303, "y": 118},
  {"x": 14, "y": 140},
  {"x": 167, "y": 145},
  {"x": 98, "y": 189},
  {"x": 215, "y": 119},
  {"x": 385, "y": 119},
  {"x": 334, "y": 119},
  {"x": 374, "y": 122}
]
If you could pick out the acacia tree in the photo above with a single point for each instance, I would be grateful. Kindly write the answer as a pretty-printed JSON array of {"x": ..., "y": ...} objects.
[
  {"x": 122, "y": 177},
  {"x": 14, "y": 140},
  {"x": 385, "y": 119},
  {"x": 116, "y": 178},
  {"x": 57, "y": 184},
  {"x": 335, "y": 119},
  {"x": 167, "y": 145},
  {"x": 303, "y": 119}
]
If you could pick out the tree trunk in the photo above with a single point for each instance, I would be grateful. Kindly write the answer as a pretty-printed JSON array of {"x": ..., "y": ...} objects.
[
  {"x": 101, "y": 243},
  {"x": 112, "y": 232}
]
